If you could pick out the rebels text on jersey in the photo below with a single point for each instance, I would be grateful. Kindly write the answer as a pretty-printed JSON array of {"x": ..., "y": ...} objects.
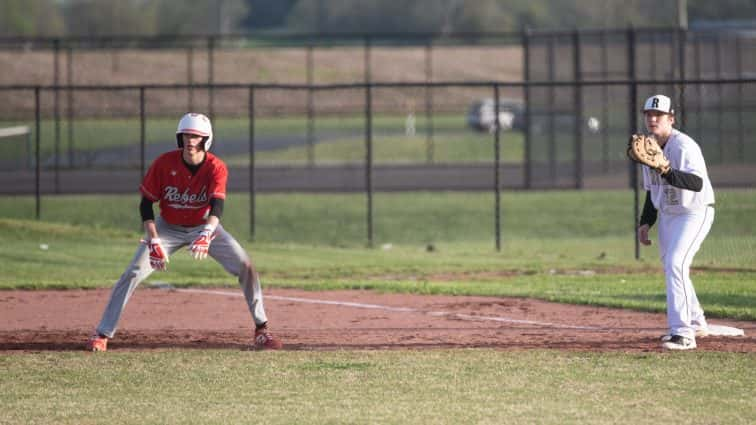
[{"x": 184, "y": 198}]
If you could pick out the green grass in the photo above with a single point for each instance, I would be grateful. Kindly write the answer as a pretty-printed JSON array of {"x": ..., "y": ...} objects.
[
  {"x": 572, "y": 217},
  {"x": 103, "y": 133},
  {"x": 461, "y": 147},
  {"x": 452, "y": 140},
  {"x": 551, "y": 248},
  {"x": 438, "y": 386}
]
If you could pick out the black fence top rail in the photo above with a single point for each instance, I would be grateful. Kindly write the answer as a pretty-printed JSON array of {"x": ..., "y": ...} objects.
[
  {"x": 308, "y": 38},
  {"x": 405, "y": 84}
]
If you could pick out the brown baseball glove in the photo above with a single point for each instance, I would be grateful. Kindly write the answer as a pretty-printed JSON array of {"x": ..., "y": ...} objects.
[{"x": 645, "y": 150}]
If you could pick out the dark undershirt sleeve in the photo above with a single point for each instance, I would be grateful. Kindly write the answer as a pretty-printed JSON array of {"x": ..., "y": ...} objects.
[
  {"x": 648, "y": 216},
  {"x": 684, "y": 180},
  {"x": 145, "y": 209},
  {"x": 216, "y": 207}
]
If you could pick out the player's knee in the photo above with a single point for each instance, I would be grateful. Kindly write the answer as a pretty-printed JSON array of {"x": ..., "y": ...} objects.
[
  {"x": 247, "y": 269},
  {"x": 674, "y": 265}
]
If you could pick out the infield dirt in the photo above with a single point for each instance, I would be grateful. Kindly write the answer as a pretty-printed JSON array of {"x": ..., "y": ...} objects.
[{"x": 335, "y": 320}]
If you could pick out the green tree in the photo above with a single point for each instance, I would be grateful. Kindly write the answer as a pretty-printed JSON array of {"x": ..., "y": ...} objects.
[
  {"x": 721, "y": 10},
  {"x": 200, "y": 16},
  {"x": 264, "y": 14},
  {"x": 109, "y": 17},
  {"x": 449, "y": 16},
  {"x": 30, "y": 18}
]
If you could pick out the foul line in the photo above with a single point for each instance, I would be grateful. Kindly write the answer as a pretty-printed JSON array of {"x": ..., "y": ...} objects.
[{"x": 389, "y": 308}]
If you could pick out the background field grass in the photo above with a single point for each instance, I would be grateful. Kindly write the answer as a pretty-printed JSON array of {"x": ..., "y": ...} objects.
[
  {"x": 573, "y": 246},
  {"x": 340, "y": 139},
  {"x": 568, "y": 246}
]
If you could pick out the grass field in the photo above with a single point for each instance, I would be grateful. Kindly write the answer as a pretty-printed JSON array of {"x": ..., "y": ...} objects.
[
  {"x": 572, "y": 247},
  {"x": 366, "y": 387}
]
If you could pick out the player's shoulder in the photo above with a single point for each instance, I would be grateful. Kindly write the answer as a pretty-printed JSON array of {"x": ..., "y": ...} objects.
[
  {"x": 682, "y": 139},
  {"x": 214, "y": 161},
  {"x": 685, "y": 145}
]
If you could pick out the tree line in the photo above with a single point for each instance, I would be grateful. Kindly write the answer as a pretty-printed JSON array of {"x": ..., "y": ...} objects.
[{"x": 204, "y": 17}]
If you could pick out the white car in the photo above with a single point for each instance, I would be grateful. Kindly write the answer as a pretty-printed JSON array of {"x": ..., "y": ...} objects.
[
  {"x": 511, "y": 115},
  {"x": 480, "y": 117}
]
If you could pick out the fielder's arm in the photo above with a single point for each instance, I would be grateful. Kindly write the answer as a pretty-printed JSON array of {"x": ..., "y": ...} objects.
[
  {"x": 648, "y": 218},
  {"x": 683, "y": 180}
]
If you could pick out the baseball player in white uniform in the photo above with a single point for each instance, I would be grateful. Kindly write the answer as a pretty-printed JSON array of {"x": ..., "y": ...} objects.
[
  {"x": 190, "y": 185},
  {"x": 683, "y": 201}
]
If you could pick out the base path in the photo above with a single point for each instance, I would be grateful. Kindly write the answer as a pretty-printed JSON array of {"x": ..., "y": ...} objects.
[{"x": 332, "y": 320}]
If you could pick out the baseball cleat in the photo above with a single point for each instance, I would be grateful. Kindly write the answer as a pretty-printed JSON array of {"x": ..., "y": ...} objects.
[
  {"x": 677, "y": 342},
  {"x": 97, "y": 343},
  {"x": 264, "y": 340},
  {"x": 700, "y": 333}
]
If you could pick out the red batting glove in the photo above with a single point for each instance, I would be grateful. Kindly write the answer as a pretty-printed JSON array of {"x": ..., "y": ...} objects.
[
  {"x": 201, "y": 245},
  {"x": 158, "y": 258}
]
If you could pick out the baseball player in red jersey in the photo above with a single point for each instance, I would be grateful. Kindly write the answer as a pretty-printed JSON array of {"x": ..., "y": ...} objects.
[{"x": 189, "y": 184}]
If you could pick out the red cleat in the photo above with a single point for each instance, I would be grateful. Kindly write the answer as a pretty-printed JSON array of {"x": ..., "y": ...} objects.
[
  {"x": 97, "y": 343},
  {"x": 264, "y": 340}
]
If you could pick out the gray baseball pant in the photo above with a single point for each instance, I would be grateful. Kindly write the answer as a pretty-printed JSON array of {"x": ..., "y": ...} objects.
[{"x": 224, "y": 249}]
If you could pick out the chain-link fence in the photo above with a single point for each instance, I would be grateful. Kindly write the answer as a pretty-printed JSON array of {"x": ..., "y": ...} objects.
[{"x": 564, "y": 126}]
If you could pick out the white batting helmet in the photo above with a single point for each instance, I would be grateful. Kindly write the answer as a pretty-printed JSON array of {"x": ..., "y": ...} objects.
[{"x": 197, "y": 124}]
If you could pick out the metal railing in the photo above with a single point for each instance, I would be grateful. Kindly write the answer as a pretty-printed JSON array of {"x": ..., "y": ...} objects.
[{"x": 362, "y": 117}]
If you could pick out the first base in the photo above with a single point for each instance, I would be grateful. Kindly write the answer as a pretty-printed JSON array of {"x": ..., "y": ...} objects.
[{"x": 721, "y": 330}]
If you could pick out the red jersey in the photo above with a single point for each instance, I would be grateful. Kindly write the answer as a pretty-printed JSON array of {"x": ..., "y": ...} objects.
[{"x": 184, "y": 198}]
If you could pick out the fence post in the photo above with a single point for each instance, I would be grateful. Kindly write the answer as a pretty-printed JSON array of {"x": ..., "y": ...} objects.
[
  {"x": 429, "y": 103},
  {"x": 366, "y": 58},
  {"x": 210, "y": 75},
  {"x": 739, "y": 71},
  {"x": 142, "y": 133},
  {"x": 605, "y": 102},
  {"x": 310, "y": 109},
  {"x": 56, "y": 112},
  {"x": 653, "y": 76},
  {"x": 551, "y": 63},
  {"x": 69, "y": 80},
  {"x": 528, "y": 119},
  {"x": 252, "y": 191},
  {"x": 699, "y": 87},
  {"x": 720, "y": 95},
  {"x": 369, "y": 160},
  {"x": 56, "y": 61},
  {"x": 682, "y": 43},
  {"x": 578, "y": 105},
  {"x": 38, "y": 170},
  {"x": 497, "y": 177},
  {"x": 190, "y": 75},
  {"x": 632, "y": 120},
  {"x": 368, "y": 142}
]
